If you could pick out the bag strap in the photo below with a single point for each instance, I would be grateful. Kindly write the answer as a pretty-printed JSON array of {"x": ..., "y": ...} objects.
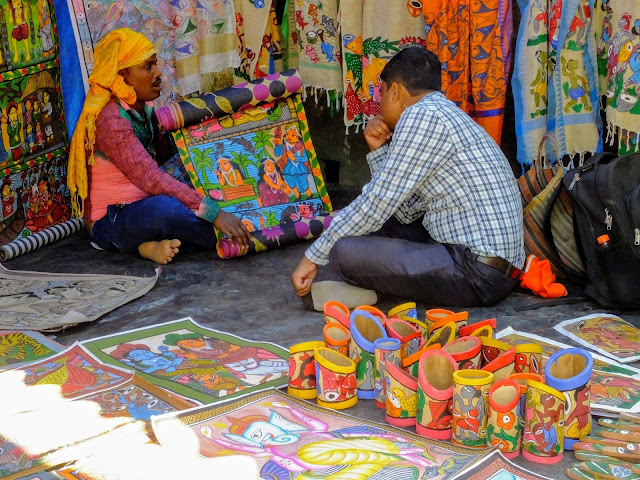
[{"x": 539, "y": 162}]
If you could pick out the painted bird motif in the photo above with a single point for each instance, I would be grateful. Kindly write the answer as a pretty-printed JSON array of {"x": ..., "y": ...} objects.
[{"x": 399, "y": 400}]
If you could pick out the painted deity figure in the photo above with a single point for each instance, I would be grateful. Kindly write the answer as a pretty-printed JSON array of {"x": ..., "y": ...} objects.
[
  {"x": 20, "y": 33},
  {"x": 28, "y": 111},
  {"x": 40, "y": 138},
  {"x": 293, "y": 161},
  {"x": 12, "y": 134},
  {"x": 578, "y": 423},
  {"x": 46, "y": 208},
  {"x": 272, "y": 189},
  {"x": 30, "y": 137},
  {"x": 44, "y": 30},
  {"x": 306, "y": 446},
  {"x": 575, "y": 87},
  {"x": 228, "y": 174},
  {"x": 142, "y": 358},
  {"x": 468, "y": 410},
  {"x": 8, "y": 198}
]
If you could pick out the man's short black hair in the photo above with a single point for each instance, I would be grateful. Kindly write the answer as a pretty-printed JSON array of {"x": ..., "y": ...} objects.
[{"x": 416, "y": 68}]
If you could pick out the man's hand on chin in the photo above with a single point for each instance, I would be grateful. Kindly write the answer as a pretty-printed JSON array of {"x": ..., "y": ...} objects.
[{"x": 303, "y": 276}]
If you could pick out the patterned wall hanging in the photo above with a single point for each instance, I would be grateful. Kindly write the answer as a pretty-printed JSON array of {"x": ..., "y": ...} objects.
[
  {"x": 258, "y": 161},
  {"x": 472, "y": 40},
  {"x": 555, "y": 85},
  {"x": 617, "y": 27}
]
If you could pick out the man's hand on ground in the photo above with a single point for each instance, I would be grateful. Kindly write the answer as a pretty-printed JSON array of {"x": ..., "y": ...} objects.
[
  {"x": 233, "y": 228},
  {"x": 303, "y": 276},
  {"x": 377, "y": 133}
]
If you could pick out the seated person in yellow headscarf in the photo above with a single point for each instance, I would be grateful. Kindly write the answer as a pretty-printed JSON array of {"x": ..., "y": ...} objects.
[{"x": 130, "y": 203}]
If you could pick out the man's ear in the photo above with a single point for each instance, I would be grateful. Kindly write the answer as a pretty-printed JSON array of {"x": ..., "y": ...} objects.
[{"x": 396, "y": 91}]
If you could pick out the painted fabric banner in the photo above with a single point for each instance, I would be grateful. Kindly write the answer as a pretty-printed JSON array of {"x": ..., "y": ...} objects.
[
  {"x": 195, "y": 39},
  {"x": 618, "y": 49},
  {"x": 258, "y": 163},
  {"x": 197, "y": 363},
  {"x": 313, "y": 442},
  {"x": 473, "y": 41},
  {"x": 555, "y": 84},
  {"x": 21, "y": 348},
  {"x": 372, "y": 32},
  {"x": 50, "y": 301},
  {"x": 615, "y": 388}
]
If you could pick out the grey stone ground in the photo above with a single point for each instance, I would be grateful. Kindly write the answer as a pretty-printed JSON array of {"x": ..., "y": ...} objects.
[{"x": 252, "y": 297}]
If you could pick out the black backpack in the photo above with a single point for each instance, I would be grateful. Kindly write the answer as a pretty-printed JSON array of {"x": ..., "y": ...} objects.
[{"x": 605, "y": 193}]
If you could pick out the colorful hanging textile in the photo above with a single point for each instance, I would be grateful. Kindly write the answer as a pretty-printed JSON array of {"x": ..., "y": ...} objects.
[
  {"x": 254, "y": 34},
  {"x": 618, "y": 47},
  {"x": 372, "y": 32},
  {"x": 555, "y": 85},
  {"x": 472, "y": 40},
  {"x": 318, "y": 34},
  {"x": 195, "y": 39}
]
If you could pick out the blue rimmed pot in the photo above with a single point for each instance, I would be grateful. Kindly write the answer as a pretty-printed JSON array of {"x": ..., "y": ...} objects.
[
  {"x": 365, "y": 330},
  {"x": 386, "y": 350},
  {"x": 569, "y": 372}
]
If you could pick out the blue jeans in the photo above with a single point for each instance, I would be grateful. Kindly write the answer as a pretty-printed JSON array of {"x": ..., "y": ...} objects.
[{"x": 125, "y": 227}]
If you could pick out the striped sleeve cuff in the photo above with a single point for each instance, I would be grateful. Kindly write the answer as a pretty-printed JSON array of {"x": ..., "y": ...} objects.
[{"x": 315, "y": 252}]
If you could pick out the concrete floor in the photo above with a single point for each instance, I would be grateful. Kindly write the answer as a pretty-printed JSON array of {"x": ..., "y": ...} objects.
[{"x": 252, "y": 297}]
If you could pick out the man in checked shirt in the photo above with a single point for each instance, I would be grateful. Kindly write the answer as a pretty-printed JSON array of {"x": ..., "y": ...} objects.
[{"x": 440, "y": 222}]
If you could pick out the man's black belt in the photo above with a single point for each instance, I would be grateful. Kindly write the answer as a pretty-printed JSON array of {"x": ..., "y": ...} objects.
[{"x": 501, "y": 265}]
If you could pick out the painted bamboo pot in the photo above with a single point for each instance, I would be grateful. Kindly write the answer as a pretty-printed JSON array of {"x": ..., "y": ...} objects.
[
  {"x": 386, "y": 350},
  {"x": 469, "y": 407},
  {"x": 435, "y": 393},
  {"x": 502, "y": 366},
  {"x": 402, "y": 396},
  {"x": 410, "y": 364},
  {"x": 479, "y": 329},
  {"x": 569, "y": 372},
  {"x": 410, "y": 337},
  {"x": 503, "y": 424},
  {"x": 336, "y": 376},
  {"x": 436, "y": 315},
  {"x": 302, "y": 371},
  {"x": 459, "y": 319},
  {"x": 442, "y": 336},
  {"x": 543, "y": 435},
  {"x": 337, "y": 337},
  {"x": 465, "y": 351},
  {"x": 521, "y": 379},
  {"x": 336, "y": 312},
  {"x": 404, "y": 311},
  {"x": 492, "y": 349},
  {"x": 528, "y": 358},
  {"x": 365, "y": 329},
  {"x": 376, "y": 312}
]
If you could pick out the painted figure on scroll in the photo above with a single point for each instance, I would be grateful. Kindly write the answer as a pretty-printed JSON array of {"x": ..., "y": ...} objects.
[
  {"x": 118, "y": 162},
  {"x": 293, "y": 161},
  {"x": 305, "y": 446}
]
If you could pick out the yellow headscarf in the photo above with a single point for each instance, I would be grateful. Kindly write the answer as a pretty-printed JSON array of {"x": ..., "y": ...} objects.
[{"x": 119, "y": 49}]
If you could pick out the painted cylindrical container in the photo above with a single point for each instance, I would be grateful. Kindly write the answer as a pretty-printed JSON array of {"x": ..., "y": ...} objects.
[
  {"x": 484, "y": 328},
  {"x": 337, "y": 337},
  {"x": 543, "y": 435},
  {"x": 569, "y": 371},
  {"x": 521, "y": 379},
  {"x": 410, "y": 364},
  {"x": 336, "y": 375},
  {"x": 502, "y": 366},
  {"x": 402, "y": 396},
  {"x": 435, "y": 393},
  {"x": 492, "y": 349},
  {"x": 443, "y": 335},
  {"x": 470, "y": 406},
  {"x": 528, "y": 358},
  {"x": 438, "y": 319},
  {"x": 503, "y": 424},
  {"x": 386, "y": 350},
  {"x": 365, "y": 329},
  {"x": 302, "y": 371},
  {"x": 410, "y": 337},
  {"x": 336, "y": 312},
  {"x": 376, "y": 312},
  {"x": 465, "y": 351},
  {"x": 404, "y": 311}
]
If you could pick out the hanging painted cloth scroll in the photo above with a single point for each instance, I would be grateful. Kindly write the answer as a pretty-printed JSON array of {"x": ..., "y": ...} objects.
[
  {"x": 372, "y": 32},
  {"x": 555, "y": 85},
  {"x": 254, "y": 33},
  {"x": 194, "y": 38},
  {"x": 472, "y": 41},
  {"x": 248, "y": 147},
  {"x": 618, "y": 47}
]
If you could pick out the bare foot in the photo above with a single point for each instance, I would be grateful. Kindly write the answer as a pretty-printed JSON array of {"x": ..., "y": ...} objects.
[{"x": 160, "y": 252}]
